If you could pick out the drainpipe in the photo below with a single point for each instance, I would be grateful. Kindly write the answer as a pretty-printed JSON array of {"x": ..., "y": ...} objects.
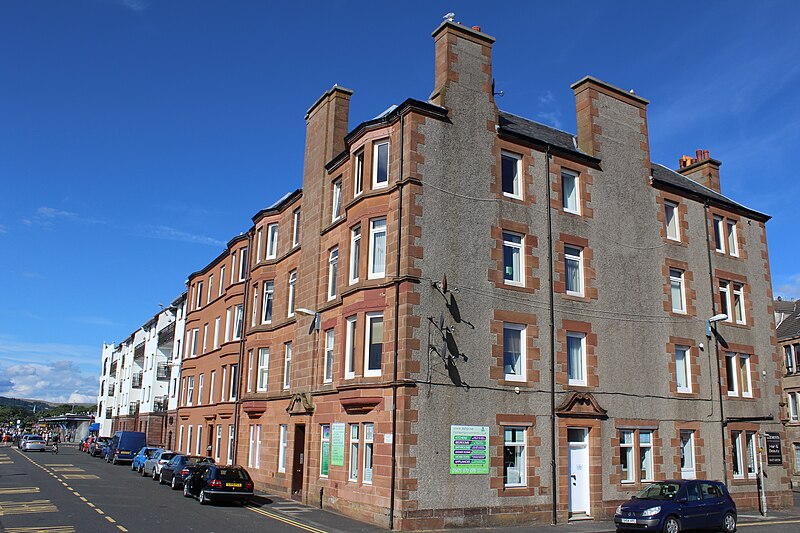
[
  {"x": 716, "y": 347},
  {"x": 552, "y": 325},
  {"x": 396, "y": 328},
  {"x": 238, "y": 403}
]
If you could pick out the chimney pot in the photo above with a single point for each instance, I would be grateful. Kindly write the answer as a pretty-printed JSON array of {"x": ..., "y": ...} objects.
[
  {"x": 705, "y": 154},
  {"x": 476, "y": 28},
  {"x": 699, "y": 154}
]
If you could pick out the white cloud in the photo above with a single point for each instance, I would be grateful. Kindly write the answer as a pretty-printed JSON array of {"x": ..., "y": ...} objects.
[
  {"x": 789, "y": 290},
  {"x": 14, "y": 351},
  {"x": 46, "y": 217},
  {"x": 94, "y": 321},
  {"x": 58, "y": 381},
  {"x": 172, "y": 234}
]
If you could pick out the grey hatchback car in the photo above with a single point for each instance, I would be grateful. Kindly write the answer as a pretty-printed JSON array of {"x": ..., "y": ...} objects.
[{"x": 152, "y": 466}]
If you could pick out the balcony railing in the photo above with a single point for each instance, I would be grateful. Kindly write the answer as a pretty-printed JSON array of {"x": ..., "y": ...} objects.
[
  {"x": 133, "y": 408},
  {"x": 160, "y": 403},
  {"x": 137, "y": 380},
  {"x": 162, "y": 371},
  {"x": 109, "y": 412}
]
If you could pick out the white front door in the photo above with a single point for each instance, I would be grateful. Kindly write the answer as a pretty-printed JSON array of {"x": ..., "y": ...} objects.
[{"x": 578, "y": 470}]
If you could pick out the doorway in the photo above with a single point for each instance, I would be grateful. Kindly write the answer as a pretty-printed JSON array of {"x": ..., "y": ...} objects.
[
  {"x": 579, "y": 481},
  {"x": 298, "y": 461}
]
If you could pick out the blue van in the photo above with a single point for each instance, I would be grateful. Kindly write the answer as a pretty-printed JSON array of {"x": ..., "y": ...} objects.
[{"x": 124, "y": 445}]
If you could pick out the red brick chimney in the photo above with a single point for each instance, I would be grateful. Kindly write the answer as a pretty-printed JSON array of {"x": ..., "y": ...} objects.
[
  {"x": 701, "y": 169},
  {"x": 463, "y": 59}
]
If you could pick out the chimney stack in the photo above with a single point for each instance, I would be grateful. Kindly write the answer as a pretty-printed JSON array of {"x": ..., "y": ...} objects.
[
  {"x": 463, "y": 62},
  {"x": 701, "y": 169}
]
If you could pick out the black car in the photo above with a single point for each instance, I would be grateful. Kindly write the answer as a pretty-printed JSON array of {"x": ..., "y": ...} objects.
[
  {"x": 214, "y": 483},
  {"x": 96, "y": 448},
  {"x": 179, "y": 467}
]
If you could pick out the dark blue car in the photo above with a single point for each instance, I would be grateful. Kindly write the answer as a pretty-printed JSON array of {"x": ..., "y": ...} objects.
[{"x": 672, "y": 506}]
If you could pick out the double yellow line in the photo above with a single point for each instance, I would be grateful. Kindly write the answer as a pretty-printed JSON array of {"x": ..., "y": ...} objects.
[{"x": 285, "y": 520}]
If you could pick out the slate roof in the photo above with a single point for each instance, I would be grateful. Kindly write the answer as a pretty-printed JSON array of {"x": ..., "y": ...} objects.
[
  {"x": 514, "y": 124},
  {"x": 666, "y": 176},
  {"x": 790, "y": 327}
]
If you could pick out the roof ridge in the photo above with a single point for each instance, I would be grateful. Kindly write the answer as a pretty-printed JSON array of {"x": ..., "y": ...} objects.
[{"x": 537, "y": 122}]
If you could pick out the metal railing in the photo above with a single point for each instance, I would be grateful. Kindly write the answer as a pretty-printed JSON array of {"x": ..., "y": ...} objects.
[
  {"x": 137, "y": 380},
  {"x": 109, "y": 412},
  {"x": 162, "y": 371},
  {"x": 160, "y": 403},
  {"x": 133, "y": 408}
]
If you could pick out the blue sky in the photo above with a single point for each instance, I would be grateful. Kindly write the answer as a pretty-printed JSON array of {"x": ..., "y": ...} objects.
[{"x": 138, "y": 136}]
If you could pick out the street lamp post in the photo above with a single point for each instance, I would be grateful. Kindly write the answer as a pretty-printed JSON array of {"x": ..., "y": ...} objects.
[{"x": 713, "y": 321}]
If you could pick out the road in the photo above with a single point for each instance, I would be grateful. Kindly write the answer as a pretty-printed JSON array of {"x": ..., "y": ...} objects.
[{"x": 73, "y": 492}]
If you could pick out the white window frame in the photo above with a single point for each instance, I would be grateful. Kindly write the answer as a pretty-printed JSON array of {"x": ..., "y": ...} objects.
[
  {"x": 210, "y": 288},
  {"x": 571, "y": 256},
  {"x": 272, "y": 240},
  {"x": 746, "y": 381},
  {"x": 733, "y": 239},
  {"x": 199, "y": 303},
  {"x": 672, "y": 221},
  {"x": 211, "y": 384},
  {"x": 205, "y": 337},
  {"x": 287, "y": 365},
  {"x": 565, "y": 200},
  {"x": 252, "y": 448},
  {"x": 582, "y": 381},
  {"x": 258, "y": 446},
  {"x": 199, "y": 441},
  {"x": 374, "y": 232},
  {"x": 249, "y": 370},
  {"x": 370, "y": 318},
  {"x": 323, "y": 442},
  {"x": 751, "y": 454},
  {"x": 216, "y": 332},
  {"x": 725, "y": 299},
  {"x": 375, "y": 151},
  {"x": 233, "y": 268},
  {"x": 200, "y": 384},
  {"x": 676, "y": 276},
  {"x": 238, "y": 322},
  {"x": 195, "y": 334},
  {"x": 180, "y": 438},
  {"x": 629, "y": 449},
  {"x": 522, "y": 454},
  {"x": 333, "y": 273},
  {"x": 350, "y": 348},
  {"x": 336, "y": 203},
  {"x": 259, "y": 241},
  {"x": 358, "y": 173},
  {"x": 719, "y": 234},
  {"x": 221, "y": 280},
  {"x": 233, "y": 382},
  {"x": 283, "y": 443},
  {"x": 189, "y": 439},
  {"x": 243, "y": 264},
  {"x": 355, "y": 253},
  {"x": 642, "y": 446},
  {"x": 369, "y": 453},
  {"x": 686, "y": 370},
  {"x": 792, "y": 404},
  {"x": 329, "y": 355},
  {"x": 732, "y": 369},
  {"x": 254, "y": 315},
  {"x": 737, "y": 461},
  {"x": 516, "y": 184},
  {"x": 520, "y": 330},
  {"x": 292, "y": 288},
  {"x": 228, "y": 317},
  {"x": 688, "y": 472},
  {"x": 268, "y": 301},
  {"x": 788, "y": 358},
  {"x": 295, "y": 227},
  {"x": 231, "y": 434},
  {"x": 262, "y": 379},
  {"x": 218, "y": 443},
  {"x": 738, "y": 307},
  {"x": 517, "y": 278},
  {"x": 352, "y": 469}
]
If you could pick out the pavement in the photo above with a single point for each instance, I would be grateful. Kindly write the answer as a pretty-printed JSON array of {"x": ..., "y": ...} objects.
[{"x": 332, "y": 522}]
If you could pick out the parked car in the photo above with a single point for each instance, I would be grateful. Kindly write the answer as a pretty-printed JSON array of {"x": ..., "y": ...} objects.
[
  {"x": 33, "y": 443},
  {"x": 672, "y": 506},
  {"x": 152, "y": 466},
  {"x": 96, "y": 447},
  {"x": 212, "y": 483},
  {"x": 181, "y": 466},
  {"x": 124, "y": 445},
  {"x": 87, "y": 443},
  {"x": 137, "y": 465}
]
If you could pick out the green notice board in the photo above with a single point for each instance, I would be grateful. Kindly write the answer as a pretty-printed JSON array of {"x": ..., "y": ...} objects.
[
  {"x": 469, "y": 447},
  {"x": 337, "y": 444}
]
